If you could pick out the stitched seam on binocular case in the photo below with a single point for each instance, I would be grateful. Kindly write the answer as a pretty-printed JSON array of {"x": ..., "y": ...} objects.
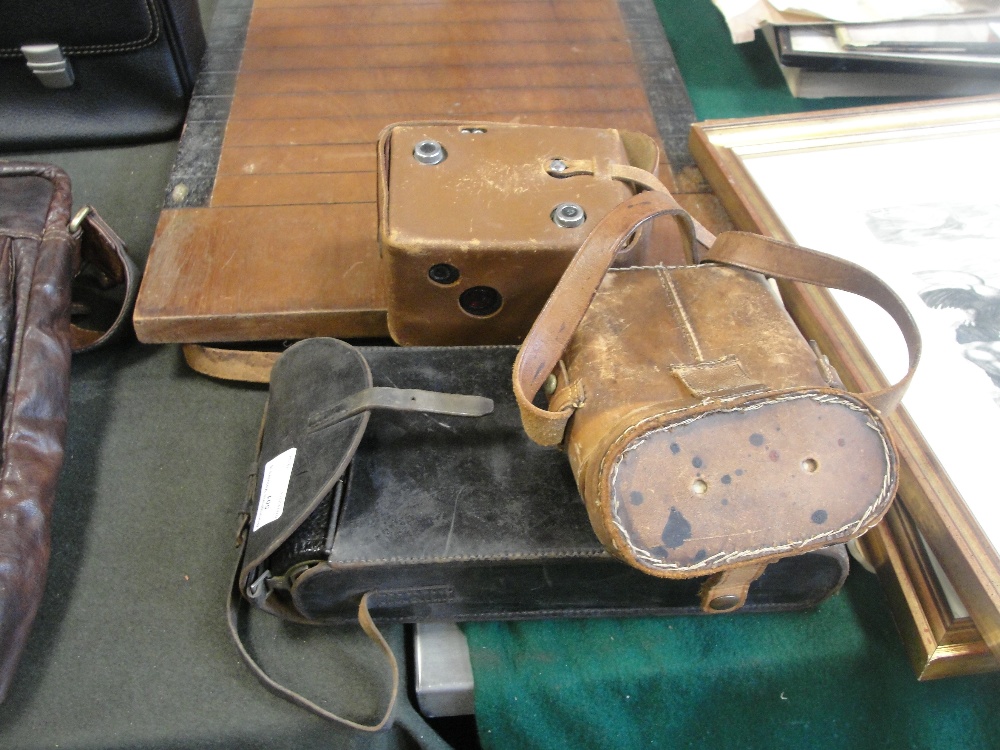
[
  {"x": 730, "y": 558},
  {"x": 674, "y": 303}
]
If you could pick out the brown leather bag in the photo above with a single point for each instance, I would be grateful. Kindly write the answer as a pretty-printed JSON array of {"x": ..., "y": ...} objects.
[
  {"x": 477, "y": 221},
  {"x": 707, "y": 436},
  {"x": 41, "y": 250}
]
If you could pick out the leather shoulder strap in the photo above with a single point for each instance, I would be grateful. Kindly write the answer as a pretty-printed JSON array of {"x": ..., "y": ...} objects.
[
  {"x": 546, "y": 341},
  {"x": 783, "y": 260},
  {"x": 103, "y": 251},
  {"x": 246, "y": 365},
  {"x": 233, "y": 604},
  {"x": 565, "y": 308}
]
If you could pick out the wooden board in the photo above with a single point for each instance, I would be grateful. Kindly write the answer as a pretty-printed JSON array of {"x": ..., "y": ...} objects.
[{"x": 269, "y": 225}]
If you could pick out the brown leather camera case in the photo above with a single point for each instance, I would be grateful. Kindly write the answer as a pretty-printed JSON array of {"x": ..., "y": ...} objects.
[{"x": 477, "y": 221}]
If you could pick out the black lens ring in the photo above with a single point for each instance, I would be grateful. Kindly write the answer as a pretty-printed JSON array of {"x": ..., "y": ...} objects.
[{"x": 443, "y": 274}]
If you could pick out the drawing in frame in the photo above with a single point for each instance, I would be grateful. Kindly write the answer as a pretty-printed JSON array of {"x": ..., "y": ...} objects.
[{"x": 911, "y": 192}]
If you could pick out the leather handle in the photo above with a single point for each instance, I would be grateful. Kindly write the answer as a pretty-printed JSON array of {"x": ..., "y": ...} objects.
[
  {"x": 565, "y": 308},
  {"x": 233, "y": 603},
  {"x": 544, "y": 345},
  {"x": 246, "y": 365},
  {"x": 104, "y": 250},
  {"x": 784, "y": 260}
]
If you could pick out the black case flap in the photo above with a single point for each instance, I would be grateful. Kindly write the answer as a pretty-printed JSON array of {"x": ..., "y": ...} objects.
[
  {"x": 297, "y": 468},
  {"x": 459, "y": 519}
]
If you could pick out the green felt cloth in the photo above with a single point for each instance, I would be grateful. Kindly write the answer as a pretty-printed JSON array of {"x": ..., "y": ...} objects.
[
  {"x": 834, "y": 677},
  {"x": 729, "y": 80}
]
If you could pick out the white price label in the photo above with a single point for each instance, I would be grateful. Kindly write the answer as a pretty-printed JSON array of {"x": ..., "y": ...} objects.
[{"x": 274, "y": 488}]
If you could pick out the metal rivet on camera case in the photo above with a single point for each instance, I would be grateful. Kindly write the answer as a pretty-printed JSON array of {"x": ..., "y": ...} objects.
[
  {"x": 558, "y": 166},
  {"x": 550, "y": 385},
  {"x": 429, "y": 152},
  {"x": 568, "y": 215}
]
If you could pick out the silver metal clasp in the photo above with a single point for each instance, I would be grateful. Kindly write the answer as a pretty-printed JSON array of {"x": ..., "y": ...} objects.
[
  {"x": 49, "y": 65},
  {"x": 259, "y": 589}
]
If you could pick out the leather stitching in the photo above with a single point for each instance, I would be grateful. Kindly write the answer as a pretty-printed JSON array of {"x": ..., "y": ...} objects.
[
  {"x": 18, "y": 235},
  {"x": 421, "y": 595},
  {"x": 554, "y": 555},
  {"x": 677, "y": 308},
  {"x": 737, "y": 557},
  {"x": 58, "y": 233},
  {"x": 150, "y": 38},
  {"x": 511, "y": 614}
]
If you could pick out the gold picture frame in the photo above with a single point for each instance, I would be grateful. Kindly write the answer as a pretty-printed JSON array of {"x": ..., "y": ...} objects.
[{"x": 938, "y": 643}]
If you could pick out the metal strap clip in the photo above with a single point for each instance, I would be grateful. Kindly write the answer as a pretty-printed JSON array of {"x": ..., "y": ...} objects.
[
  {"x": 259, "y": 589},
  {"x": 49, "y": 65}
]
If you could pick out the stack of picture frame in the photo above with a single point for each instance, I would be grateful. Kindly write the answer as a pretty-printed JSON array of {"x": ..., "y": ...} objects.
[{"x": 909, "y": 191}]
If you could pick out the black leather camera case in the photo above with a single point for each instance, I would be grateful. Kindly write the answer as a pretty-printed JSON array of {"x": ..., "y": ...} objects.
[{"x": 447, "y": 518}]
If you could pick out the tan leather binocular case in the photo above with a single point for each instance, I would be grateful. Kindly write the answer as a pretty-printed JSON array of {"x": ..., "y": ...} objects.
[
  {"x": 706, "y": 435},
  {"x": 478, "y": 221}
]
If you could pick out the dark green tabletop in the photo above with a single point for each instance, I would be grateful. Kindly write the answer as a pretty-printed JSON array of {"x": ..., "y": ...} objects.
[{"x": 732, "y": 80}]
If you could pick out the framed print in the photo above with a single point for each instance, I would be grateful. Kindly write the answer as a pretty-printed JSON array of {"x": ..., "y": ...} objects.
[
  {"x": 939, "y": 636},
  {"x": 911, "y": 192}
]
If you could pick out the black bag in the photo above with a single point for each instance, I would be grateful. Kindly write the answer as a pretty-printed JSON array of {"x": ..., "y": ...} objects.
[
  {"x": 94, "y": 73},
  {"x": 444, "y": 518},
  {"x": 389, "y": 512}
]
